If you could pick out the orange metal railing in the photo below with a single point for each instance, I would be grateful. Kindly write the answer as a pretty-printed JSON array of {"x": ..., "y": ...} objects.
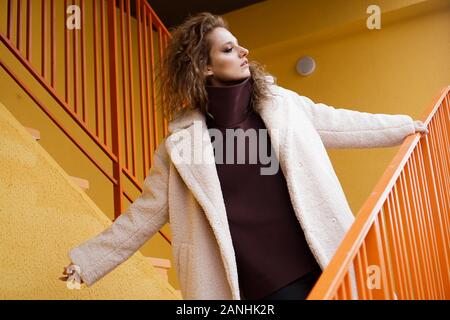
[
  {"x": 399, "y": 244},
  {"x": 91, "y": 73}
]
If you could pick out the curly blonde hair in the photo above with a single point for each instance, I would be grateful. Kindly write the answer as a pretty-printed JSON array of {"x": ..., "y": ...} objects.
[{"x": 182, "y": 77}]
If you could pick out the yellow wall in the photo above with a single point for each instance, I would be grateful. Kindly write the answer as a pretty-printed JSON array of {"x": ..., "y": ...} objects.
[
  {"x": 74, "y": 162},
  {"x": 40, "y": 221},
  {"x": 398, "y": 69}
]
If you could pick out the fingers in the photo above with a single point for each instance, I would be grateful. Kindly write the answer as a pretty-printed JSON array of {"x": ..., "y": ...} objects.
[
  {"x": 63, "y": 278},
  {"x": 420, "y": 127},
  {"x": 65, "y": 271},
  {"x": 70, "y": 273}
]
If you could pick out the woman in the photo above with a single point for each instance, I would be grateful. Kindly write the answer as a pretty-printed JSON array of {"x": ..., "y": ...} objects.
[{"x": 241, "y": 229}]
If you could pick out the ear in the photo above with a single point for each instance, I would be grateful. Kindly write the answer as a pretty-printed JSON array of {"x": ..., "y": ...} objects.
[{"x": 208, "y": 72}]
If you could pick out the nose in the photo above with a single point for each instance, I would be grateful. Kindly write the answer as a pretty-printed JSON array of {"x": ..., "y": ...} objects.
[{"x": 244, "y": 52}]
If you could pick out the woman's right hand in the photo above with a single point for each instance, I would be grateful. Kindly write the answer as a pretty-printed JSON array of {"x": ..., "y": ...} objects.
[{"x": 72, "y": 273}]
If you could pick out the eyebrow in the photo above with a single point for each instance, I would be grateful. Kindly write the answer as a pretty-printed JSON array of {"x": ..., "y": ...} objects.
[{"x": 229, "y": 42}]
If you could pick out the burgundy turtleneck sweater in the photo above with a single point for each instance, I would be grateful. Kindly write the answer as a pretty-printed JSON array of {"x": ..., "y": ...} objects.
[{"x": 269, "y": 243}]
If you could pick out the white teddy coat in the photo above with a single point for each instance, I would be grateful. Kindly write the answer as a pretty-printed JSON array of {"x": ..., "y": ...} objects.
[{"x": 190, "y": 198}]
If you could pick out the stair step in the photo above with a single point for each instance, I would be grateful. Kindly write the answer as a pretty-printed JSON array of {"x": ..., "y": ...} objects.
[
  {"x": 82, "y": 183},
  {"x": 162, "y": 266},
  {"x": 160, "y": 263},
  {"x": 34, "y": 133}
]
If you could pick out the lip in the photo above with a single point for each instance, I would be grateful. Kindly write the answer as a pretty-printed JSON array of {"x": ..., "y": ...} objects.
[{"x": 245, "y": 63}]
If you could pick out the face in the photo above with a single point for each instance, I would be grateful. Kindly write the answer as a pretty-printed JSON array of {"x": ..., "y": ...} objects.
[{"x": 226, "y": 58}]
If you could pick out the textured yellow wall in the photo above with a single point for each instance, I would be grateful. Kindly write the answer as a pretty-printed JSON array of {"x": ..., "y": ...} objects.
[
  {"x": 398, "y": 69},
  {"x": 42, "y": 215}
]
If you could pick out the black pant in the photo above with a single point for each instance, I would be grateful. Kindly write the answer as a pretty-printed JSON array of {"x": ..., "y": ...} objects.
[{"x": 296, "y": 290}]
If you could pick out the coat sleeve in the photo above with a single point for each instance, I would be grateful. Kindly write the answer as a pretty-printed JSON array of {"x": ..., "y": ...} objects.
[
  {"x": 144, "y": 217},
  {"x": 344, "y": 128}
]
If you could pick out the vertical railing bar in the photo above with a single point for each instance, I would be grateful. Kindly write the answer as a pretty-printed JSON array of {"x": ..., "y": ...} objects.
[
  {"x": 130, "y": 90},
  {"x": 115, "y": 109},
  {"x": 44, "y": 40},
  {"x": 66, "y": 59},
  {"x": 124, "y": 88},
  {"x": 402, "y": 256},
  {"x": 29, "y": 33},
  {"x": 19, "y": 25},
  {"x": 365, "y": 267},
  {"x": 375, "y": 253},
  {"x": 83, "y": 61},
  {"x": 410, "y": 226},
  {"x": 149, "y": 76},
  {"x": 430, "y": 221},
  {"x": 96, "y": 63},
  {"x": 144, "y": 127},
  {"x": 420, "y": 216},
  {"x": 338, "y": 294},
  {"x": 385, "y": 242},
  {"x": 376, "y": 256},
  {"x": 381, "y": 255},
  {"x": 412, "y": 242},
  {"x": 342, "y": 291},
  {"x": 395, "y": 240},
  {"x": 403, "y": 243},
  {"x": 75, "y": 68},
  {"x": 161, "y": 52},
  {"x": 360, "y": 276},
  {"x": 152, "y": 63},
  {"x": 348, "y": 286},
  {"x": 52, "y": 44},
  {"x": 165, "y": 127},
  {"x": 9, "y": 21},
  {"x": 104, "y": 65}
]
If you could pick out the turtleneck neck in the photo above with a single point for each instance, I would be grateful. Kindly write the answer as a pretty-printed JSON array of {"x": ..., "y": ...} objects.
[{"x": 229, "y": 105}]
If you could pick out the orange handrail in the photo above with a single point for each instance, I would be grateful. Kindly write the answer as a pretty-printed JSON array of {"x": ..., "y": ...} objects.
[
  {"x": 112, "y": 122},
  {"x": 398, "y": 246}
]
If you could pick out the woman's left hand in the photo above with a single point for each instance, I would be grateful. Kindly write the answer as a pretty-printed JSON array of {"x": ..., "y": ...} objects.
[{"x": 420, "y": 127}]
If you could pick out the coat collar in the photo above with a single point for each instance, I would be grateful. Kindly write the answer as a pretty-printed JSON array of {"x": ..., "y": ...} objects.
[{"x": 187, "y": 143}]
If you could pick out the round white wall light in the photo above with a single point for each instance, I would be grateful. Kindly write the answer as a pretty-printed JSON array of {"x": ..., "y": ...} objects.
[{"x": 306, "y": 65}]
